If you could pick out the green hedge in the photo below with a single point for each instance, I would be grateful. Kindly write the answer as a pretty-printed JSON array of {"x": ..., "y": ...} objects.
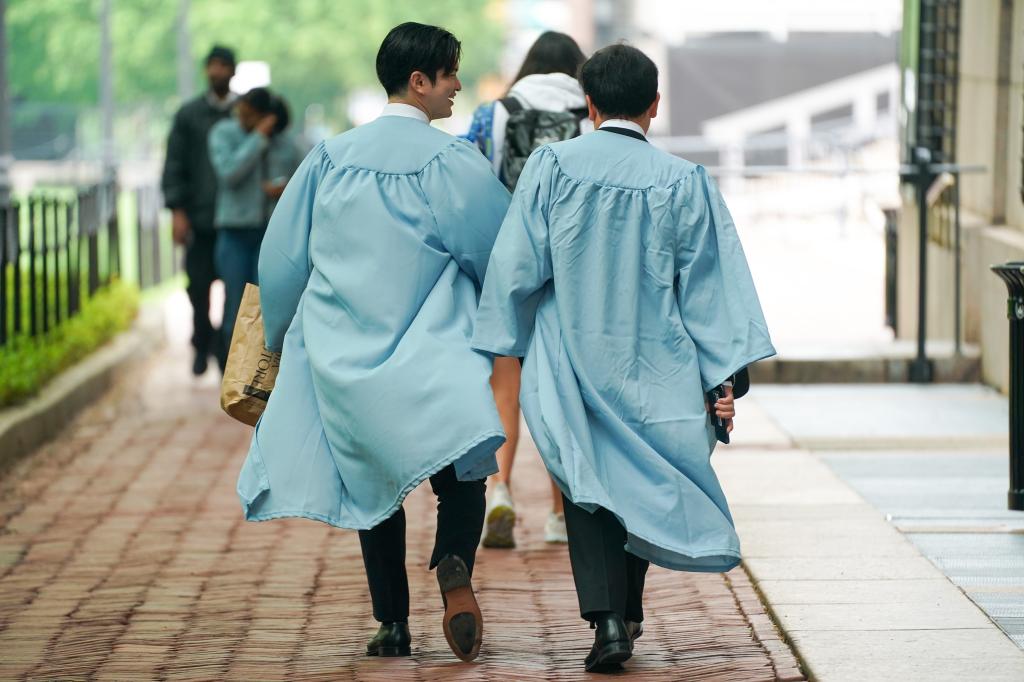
[{"x": 26, "y": 364}]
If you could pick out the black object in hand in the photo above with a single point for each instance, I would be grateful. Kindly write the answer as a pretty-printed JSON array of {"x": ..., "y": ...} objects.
[{"x": 721, "y": 427}]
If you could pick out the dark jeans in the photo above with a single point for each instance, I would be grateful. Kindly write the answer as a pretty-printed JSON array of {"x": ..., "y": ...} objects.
[
  {"x": 237, "y": 258},
  {"x": 608, "y": 578},
  {"x": 199, "y": 268},
  {"x": 460, "y": 521}
]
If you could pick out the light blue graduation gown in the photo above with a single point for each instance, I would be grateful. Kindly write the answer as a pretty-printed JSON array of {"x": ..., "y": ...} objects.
[
  {"x": 619, "y": 276},
  {"x": 369, "y": 277}
]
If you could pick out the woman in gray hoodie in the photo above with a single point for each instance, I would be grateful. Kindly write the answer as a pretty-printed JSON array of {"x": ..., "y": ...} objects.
[{"x": 545, "y": 104}]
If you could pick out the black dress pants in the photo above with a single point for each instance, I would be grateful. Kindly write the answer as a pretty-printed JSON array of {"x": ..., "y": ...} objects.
[
  {"x": 608, "y": 578},
  {"x": 460, "y": 521},
  {"x": 201, "y": 274}
]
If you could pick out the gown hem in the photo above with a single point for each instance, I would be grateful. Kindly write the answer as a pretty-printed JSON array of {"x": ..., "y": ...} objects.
[
  {"x": 659, "y": 559},
  {"x": 380, "y": 518}
]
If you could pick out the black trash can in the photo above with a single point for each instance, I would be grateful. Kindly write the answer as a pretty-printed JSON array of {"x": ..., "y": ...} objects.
[{"x": 1013, "y": 275}]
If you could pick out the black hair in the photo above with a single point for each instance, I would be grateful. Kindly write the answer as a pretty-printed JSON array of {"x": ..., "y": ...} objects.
[
  {"x": 280, "y": 109},
  {"x": 620, "y": 81},
  {"x": 552, "y": 52},
  {"x": 224, "y": 54},
  {"x": 411, "y": 47},
  {"x": 260, "y": 99},
  {"x": 266, "y": 102}
]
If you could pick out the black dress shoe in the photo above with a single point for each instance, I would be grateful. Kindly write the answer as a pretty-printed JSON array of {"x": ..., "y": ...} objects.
[
  {"x": 612, "y": 644},
  {"x": 392, "y": 639}
]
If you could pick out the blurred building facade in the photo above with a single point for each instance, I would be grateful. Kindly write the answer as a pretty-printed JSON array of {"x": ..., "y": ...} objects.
[
  {"x": 742, "y": 73},
  {"x": 963, "y": 99},
  {"x": 735, "y": 55}
]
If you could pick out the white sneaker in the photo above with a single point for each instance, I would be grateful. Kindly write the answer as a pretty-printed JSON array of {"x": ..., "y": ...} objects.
[
  {"x": 554, "y": 529},
  {"x": 501, "y": 519}
]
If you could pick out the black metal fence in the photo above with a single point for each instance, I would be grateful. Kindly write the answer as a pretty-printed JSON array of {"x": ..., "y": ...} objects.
[
  {"x": 156, "y": 257},
  {"x": 58, "y": 248}
]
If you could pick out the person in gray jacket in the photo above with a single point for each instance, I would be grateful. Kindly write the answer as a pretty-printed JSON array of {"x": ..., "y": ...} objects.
[
  {"x": 190, "y": 188},
  {"x": 253, "y": 157}
]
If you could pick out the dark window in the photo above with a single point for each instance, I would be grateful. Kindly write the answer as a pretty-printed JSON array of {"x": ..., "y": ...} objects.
[
  {"x": 832, "y": 118},
  {"x": 938, "y": 60}
]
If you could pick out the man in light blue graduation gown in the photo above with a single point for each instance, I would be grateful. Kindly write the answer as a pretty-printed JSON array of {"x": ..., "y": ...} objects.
[
  {"x": 619, "y": 276},
  {"x": 369, "y": 277}
]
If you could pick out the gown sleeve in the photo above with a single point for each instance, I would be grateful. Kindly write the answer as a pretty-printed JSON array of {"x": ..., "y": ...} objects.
[
  {"x": 520, "y": 265},
  {"x": 284, "y": 265},
  {"x": 714, "y": 290},
  {"x": 468, "y": 204}
]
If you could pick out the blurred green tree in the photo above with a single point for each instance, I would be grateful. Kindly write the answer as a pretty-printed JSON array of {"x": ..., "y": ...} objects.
[{"x": 318, "y": 50}]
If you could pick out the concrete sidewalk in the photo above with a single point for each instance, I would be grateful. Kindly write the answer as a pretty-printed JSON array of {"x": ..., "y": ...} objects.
[
  {"x": 123, "y": 556},
  {"x": 839, "y": 542}
]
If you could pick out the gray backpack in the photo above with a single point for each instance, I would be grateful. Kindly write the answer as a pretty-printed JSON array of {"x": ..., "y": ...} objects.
[{"x": 528, "y": 129}]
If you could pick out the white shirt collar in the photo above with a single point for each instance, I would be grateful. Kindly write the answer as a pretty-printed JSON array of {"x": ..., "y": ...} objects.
[
  {"x": 405, "y": 111},
  {"x": 621, "y": 123}
]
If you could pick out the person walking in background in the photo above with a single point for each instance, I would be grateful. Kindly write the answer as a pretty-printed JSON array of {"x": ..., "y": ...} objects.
[
  {"x": 545, "y": 84},
  {"x": 545, "y": 104},
  {"x": 190, "y": 187},
  {"x": 619, "y": 276},
  {"x": 253, "y": 156},
  {"x": 369, "y": 279}
]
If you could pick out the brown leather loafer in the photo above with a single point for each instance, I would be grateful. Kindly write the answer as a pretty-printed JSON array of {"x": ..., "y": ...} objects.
[{"x": 463, "y": 623}]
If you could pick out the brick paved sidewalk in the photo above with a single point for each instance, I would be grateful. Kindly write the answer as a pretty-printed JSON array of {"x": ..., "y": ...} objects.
[{"x": 123, "y": 556}]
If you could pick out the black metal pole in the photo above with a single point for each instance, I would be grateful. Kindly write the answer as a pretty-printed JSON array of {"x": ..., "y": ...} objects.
[
  {"x": 5, "y": 214},
  {"x": 892, "y": 237},
  {"x": 94, "y": 261},
  {"x": 79, "y": 198},
  {"x": 57, "y": 282},
  {"x": 958, "y": 273},
  {"x": 114, "y": 236},
  {"x": 93, "y": 258},
  {"x": 43, "y": 223},
  {"x": 33, "y": 327},
  {"x": 68, "y": 282},
  {"x": 921, "y": 366},
  {"x": 19, "y": 322},
  {"x": 1012, "y": 275}
]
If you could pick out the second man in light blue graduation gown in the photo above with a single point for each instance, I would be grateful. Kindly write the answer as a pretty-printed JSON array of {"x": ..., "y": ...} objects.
[
  {"x": 619, "y": 276},
  {"x": 369, "y": 277}
]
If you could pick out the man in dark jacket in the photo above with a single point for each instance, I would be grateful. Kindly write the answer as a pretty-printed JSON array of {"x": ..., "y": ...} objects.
[{"x": 190, "y": 186}]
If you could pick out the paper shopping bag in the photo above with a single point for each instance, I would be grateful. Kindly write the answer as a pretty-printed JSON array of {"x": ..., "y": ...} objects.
[{"x": 251, "y": 369}]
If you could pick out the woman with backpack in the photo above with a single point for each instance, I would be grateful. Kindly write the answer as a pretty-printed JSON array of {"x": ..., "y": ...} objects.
[
  {"x": 253, "y": 156},
  {"x": 545, "y": 104}
]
